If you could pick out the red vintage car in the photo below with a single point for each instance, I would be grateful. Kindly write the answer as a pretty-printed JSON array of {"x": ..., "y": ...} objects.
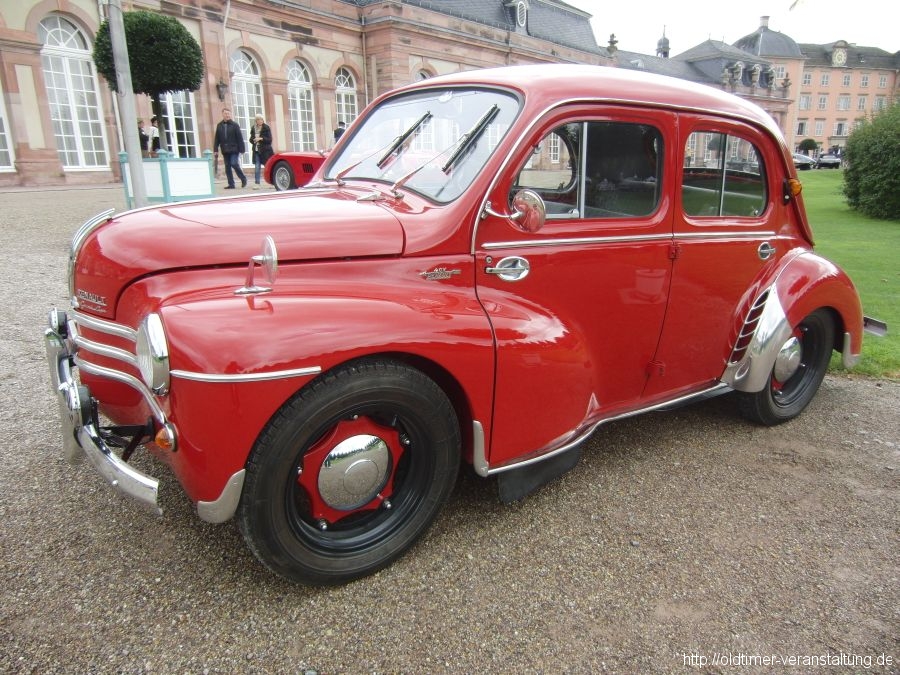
[
  {"x": 289, "y": 170},
  {"x": 489, "y": 266}
]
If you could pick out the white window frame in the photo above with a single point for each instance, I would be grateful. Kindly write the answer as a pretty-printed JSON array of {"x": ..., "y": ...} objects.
[
  {"x": 826, "y": 79},
  {"x": 7, "y": 149},
  {"x": 67, "y": 47},
  {"x": 823, "y": 102},
  {"x": 345, "y": 98},
  {"x": 807, "y": 79},
  {"x": 246, "y": 96},
  {"x": 186, "y": 129},
  {"x": 301, "y": 105},
  {"x": 864, "y": 80}
]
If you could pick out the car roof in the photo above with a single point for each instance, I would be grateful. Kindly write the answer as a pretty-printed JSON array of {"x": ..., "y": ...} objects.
[{"x": 568, "y": 82}]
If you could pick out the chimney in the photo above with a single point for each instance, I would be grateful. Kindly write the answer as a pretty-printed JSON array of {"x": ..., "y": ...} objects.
[{"x": 763, "y": 22}]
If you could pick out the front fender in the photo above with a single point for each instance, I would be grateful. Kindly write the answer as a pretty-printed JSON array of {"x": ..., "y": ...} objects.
[
  {"x": 806, "y": 283},
  {"x": 236, "y": 360}
]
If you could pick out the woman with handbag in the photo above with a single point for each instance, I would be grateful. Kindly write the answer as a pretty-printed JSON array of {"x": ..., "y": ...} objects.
[{"x": 261, "y": 141}]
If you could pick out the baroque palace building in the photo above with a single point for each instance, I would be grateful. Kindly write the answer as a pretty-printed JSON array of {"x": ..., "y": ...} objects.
[{"x": 306, "y": 65}]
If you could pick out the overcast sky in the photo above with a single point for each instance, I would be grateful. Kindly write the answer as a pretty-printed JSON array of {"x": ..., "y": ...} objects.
[{"x": 638, "y": 24}]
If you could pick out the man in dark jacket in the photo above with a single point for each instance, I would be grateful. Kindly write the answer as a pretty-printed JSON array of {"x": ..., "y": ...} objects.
[{"x": 230, "y": 139}]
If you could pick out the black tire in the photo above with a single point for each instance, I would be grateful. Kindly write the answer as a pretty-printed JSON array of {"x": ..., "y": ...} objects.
[
  {"x": 284, "y": 503},
  {"x": 783, "y": 401},
  {"x": 283, "y": 176}
]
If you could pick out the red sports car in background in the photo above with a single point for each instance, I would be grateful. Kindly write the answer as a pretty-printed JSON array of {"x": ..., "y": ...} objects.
[{"x": 289, "y": 170}]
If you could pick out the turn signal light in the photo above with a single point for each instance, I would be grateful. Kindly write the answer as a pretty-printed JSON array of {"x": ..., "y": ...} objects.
[
  {"x": 795, "y": 186},
  {"x": 166, "y": 438}
]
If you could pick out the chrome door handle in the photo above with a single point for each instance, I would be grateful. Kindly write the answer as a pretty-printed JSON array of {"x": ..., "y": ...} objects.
[
  {"x": 512, "y": 268},
  {"x": 765, "y": 250}
]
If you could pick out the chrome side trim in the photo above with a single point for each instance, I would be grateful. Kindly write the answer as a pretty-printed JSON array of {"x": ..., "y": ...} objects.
[
  {"x": 752, "y": 371},
  {"x": 575, "y": 241},
  {"x": 125, "y": 378},
  {"x": 726, "y": 235},
  {"x": 483, "y": 469},
  {"x": 247, "y": 377},
  {"x": 848, "y": 358},
  {"x": 223, "y": 508},
  {"x": 580, "y": 241}
]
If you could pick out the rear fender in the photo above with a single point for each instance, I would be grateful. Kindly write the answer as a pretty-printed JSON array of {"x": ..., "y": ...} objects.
[{"x": 806, "y": 283}]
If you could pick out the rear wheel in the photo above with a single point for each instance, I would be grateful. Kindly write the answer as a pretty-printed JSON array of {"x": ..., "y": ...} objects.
[
  {"x": 283, "y": 176},
  {"x": 350, "y": 473},
  {"x": 797, "y": 374}
]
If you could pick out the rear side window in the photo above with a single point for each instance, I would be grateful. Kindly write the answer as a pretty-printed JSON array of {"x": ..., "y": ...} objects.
[
  {"x": 723, "y": 176},
  {"x": 597, "y": 170}
]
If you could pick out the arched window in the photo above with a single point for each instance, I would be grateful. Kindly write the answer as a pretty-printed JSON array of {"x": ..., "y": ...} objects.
[
  {"x": 300, "y": 102},
  {"x": 246, "y": 95},
  {"x": 72, "y": 95},
  {"x": 345, "y": 96}
]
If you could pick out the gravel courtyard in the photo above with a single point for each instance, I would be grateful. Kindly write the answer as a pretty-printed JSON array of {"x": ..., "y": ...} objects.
[{"x": 684, "y": 541}]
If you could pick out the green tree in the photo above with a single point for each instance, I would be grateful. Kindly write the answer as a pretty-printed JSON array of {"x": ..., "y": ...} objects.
[
  {"x": 872, "y": 166},
  {"x": 162, "y": 54},
  {"x": 808, "y": 144}
]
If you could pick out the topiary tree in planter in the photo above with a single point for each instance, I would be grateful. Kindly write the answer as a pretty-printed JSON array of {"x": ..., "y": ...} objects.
[
  {"x": 808, "y": 144},
  {"x": 163, "y": 56},
  {"x": 872, "y": 166}
]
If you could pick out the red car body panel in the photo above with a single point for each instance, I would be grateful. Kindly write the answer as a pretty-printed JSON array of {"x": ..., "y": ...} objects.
[
  {"x": 303, "y": 166},
  {"x": 618, "y": 314}
]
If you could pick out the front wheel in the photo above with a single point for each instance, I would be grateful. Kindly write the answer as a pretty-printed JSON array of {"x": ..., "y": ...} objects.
[
  {"x": 797, "y": 374},
  {"x": 349, "y": 473},
  {"x": 283, "y": 176}
]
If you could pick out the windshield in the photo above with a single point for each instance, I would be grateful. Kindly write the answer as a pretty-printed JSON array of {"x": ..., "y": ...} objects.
[{"x": 434, "y": 142}]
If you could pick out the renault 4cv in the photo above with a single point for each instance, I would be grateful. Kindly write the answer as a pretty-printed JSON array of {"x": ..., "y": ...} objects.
[{"x": 487, "y": 267}]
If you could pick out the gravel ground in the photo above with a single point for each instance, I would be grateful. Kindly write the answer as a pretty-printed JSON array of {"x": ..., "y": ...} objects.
[{"x": 681, "y": 538}]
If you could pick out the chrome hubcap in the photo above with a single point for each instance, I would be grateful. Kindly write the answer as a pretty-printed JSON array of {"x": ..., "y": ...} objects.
[
  {"x": 354, "y": 472},
  {"x": 788, "y": 360}
]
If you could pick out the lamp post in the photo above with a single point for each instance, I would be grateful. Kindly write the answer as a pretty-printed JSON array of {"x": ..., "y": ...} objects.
[{"x": 221, "y": 88}]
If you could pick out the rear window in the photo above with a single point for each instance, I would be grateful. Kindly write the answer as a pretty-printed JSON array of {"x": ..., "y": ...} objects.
[{"x": 723, "y": 176}]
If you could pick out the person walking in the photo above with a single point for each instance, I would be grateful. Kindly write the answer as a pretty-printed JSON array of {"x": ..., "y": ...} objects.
[
  {"x": 231, "y": 141},
  {"x": 261, "y": 142}
]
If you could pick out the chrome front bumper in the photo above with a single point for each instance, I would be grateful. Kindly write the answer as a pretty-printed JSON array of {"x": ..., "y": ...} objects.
[{"x": 80, "y": 423}]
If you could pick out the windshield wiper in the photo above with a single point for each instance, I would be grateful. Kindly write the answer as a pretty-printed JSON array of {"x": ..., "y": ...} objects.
[
  {"x": 401, "y": 139},
  {"x": 468, "y": 138}
]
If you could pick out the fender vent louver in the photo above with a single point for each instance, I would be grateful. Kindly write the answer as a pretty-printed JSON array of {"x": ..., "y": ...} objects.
[
  {"x": 308, "y": 168},
  {"x": 748, "y": 329}
]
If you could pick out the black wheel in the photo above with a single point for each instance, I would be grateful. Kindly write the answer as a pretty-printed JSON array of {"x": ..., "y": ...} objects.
[
  {"x": 797, "y": 374},
  {"x": 283, "y": 176},
  {"x": 349, "y": 473}
]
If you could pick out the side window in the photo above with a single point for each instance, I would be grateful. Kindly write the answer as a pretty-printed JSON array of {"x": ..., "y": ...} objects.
[
  {"x": 597, "y": 170},
  {"x": 723, "y": 176}
]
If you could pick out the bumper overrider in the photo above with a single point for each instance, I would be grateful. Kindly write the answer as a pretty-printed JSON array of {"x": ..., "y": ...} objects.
[{"x": 79, "y": 417}]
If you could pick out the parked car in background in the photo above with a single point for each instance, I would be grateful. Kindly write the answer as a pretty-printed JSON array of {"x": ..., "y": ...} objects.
[
  {"x": 289, "y": 170},
  {"x": 828, "y": 161},
  {"x": 489, "y": 266},
  {"x": 803, "y": 162}
]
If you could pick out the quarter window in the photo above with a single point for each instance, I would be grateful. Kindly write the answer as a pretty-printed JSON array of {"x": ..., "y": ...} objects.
[
  {"x": 727, "y": 180},
  {"x": 597, "y": 170}
]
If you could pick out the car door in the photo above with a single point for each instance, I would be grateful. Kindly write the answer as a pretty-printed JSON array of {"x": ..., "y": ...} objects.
[
  {"x": 726, "y": 222},
  {"x": 577, "y": 306}
]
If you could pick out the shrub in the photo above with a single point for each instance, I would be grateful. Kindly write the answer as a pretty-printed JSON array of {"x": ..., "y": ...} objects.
[{"x": 872, "y": 166}]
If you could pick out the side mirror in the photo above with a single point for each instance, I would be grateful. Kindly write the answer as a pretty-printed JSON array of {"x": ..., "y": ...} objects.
[{"x": 530, "y": 212}]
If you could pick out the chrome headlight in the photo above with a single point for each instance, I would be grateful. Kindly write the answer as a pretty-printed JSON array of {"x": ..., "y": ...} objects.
[{"x": 153, "y": 354}]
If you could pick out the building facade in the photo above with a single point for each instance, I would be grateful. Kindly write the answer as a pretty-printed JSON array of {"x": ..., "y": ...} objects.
[{"x": 307, "y": 65}]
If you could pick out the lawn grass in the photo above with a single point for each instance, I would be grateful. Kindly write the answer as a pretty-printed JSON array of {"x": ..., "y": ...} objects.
[{"x": 869, "y": 251}]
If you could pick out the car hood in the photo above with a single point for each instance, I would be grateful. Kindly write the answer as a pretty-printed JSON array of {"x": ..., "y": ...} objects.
[{"x": 314, "y": 224}]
